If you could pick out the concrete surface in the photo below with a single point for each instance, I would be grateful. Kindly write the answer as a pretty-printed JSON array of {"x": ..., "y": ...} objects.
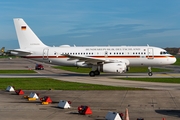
[
  {"x": 161, "y": 102},
  {"x": 150, "y": 105}
]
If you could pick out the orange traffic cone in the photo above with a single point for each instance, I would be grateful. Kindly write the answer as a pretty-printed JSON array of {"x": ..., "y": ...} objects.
[{"x": 126, "y": 117}]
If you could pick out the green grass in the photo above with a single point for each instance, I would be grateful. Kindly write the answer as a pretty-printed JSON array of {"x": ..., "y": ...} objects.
[
  {"x": 16, "y": 71},
  {"x": 7, "y": 56},
  {"x": 73, "y": 69},
  {"x": 132, "y": 69},
  {"x": 177, "y": 62},
  {"x": 145, "y": 69},
  {"x": 48, "y": 83},
  {"x": 163, "y": 80}
]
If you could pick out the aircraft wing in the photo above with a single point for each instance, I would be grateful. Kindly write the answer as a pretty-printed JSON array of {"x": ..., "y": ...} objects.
[
  {"x": 20, "y": 52},
  {"x": 90, "y": 60}
]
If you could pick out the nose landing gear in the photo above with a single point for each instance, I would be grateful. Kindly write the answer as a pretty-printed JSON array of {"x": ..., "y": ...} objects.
[{"x": 150, "y": 72}]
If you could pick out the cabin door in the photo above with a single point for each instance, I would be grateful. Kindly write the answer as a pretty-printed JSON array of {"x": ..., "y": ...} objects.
[
  {"x": 150, "y": 53},
  {"x": 45, "y": 54}
]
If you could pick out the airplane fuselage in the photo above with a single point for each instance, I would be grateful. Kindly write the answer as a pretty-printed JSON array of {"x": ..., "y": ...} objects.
[{"x": 136, "y": 56}]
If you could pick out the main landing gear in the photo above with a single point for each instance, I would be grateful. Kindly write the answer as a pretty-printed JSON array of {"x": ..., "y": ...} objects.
[
  {"x": 94, "y": 73},
  {"x": 150, "y": 72}
]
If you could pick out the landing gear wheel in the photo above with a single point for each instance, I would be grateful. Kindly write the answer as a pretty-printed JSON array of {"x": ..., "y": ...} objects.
[
  {"x": 92, "y": 74},
  {"x": 150, "y": 73},
  {"x": 97, "y": 73}
]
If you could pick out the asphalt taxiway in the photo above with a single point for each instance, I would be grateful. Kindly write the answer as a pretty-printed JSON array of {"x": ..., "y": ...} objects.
[
  {"x": 163, "y": 101},
  {"x": 103, "y": 79}
]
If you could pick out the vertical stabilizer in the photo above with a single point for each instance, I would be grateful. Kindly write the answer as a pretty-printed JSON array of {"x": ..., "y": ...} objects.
[
  {"x": 2, "y": 50},
  {"x": 26, "y": 37}
]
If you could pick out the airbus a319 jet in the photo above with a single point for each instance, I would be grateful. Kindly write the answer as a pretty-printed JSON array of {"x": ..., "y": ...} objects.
[{"x": 113, "y": 59}]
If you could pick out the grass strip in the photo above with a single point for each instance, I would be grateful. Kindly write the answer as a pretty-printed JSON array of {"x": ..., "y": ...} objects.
[
  {"x": 73, "y": 69},
  {"x": 177, "y": 62},
  {"x": 162, "y": 80},
  {"x": 16, "y": 71},
  {"x": 48, "y": 83},
  {"x": 7, "y": 56},
  {"x": 145, "y": 69},
  {"x": 132, "y": 69}
]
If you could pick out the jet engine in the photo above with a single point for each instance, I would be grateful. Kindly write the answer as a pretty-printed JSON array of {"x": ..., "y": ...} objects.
[
  {"x": 81, "y": 64},
  {"x": 113, "y": 67}
]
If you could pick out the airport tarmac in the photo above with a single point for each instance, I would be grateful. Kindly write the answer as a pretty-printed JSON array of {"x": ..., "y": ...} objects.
[
  {"x": 161, "y": 102},
  {"x": 150, "y": 105}
]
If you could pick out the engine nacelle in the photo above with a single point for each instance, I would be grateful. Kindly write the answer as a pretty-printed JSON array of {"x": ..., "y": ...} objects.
[{"x": 113, "y": 67}]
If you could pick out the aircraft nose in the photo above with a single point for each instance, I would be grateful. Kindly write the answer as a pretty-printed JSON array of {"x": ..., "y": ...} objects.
[{"x": 173, "y": 59}]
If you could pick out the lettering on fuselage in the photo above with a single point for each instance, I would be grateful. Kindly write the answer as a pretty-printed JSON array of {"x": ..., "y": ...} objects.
[{"x": 98, "y": 49}]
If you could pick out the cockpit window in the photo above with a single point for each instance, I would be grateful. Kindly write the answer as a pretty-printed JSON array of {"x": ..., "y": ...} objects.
[{"x": 164, "y": 52}]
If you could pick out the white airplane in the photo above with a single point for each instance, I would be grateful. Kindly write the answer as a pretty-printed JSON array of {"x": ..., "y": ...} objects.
[{"x": 114, "y": 59}]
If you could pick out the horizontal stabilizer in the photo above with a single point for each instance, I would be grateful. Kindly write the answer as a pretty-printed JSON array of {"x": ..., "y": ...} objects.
[{"x": 20, "y": 52}]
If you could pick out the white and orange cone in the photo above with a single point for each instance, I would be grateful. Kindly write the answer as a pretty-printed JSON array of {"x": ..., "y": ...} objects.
[{"x": 126, "y": 117}]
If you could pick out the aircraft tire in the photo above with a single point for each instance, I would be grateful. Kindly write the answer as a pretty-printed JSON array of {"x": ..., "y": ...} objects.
[
  {"x": 92, "y": 74},
  {"x": 150, "y": 73},
  {"x": 97, "y": 72}
]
